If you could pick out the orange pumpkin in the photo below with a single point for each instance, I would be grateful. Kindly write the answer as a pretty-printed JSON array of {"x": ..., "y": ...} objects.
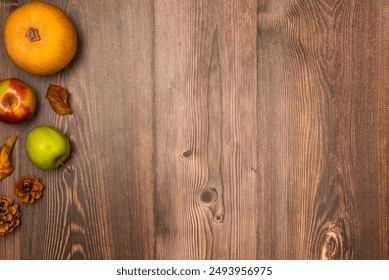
[{"x": 39, "y": 38}]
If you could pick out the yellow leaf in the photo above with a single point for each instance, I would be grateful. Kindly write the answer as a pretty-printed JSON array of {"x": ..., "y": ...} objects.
[{"x": 6, "y": 167}]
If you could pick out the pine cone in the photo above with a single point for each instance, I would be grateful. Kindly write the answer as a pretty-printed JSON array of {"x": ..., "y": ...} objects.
[
  {"x": 28, "y": 189},
  {"x": 9, "y": 215}
]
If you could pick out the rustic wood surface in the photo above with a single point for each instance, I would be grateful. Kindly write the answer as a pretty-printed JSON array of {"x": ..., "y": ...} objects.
[{"x": 214, "y": 129}]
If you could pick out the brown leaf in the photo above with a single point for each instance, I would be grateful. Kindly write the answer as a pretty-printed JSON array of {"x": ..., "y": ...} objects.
[
  {"x": 58, "y": 98},
  {"x": 6, "y": 167}
]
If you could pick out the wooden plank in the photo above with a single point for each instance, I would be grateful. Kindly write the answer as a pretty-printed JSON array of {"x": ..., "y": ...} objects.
[
  {"x": 323, "y": 157},
  {"x": 103, "y": 209},
  {"x": 206, "y": 150},
  {"x": 371, "y": 130},
  {"x": 382, "y": 102},
  {"x": 112, "y": 216}
]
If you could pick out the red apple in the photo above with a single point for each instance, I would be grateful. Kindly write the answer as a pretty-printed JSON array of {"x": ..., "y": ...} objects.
[{"x": 17, "y": 101}]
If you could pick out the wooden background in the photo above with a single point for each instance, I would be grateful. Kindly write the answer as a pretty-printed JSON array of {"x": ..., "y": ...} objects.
[{"x": 214, "y": 129}]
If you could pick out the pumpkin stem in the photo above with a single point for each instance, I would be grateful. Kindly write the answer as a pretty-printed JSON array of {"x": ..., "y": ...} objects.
[{"x": 32, "y": 34}]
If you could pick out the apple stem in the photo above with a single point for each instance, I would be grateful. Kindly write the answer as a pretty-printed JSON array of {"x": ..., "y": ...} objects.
[
  {"x": 67, "y": 168},
  {"x": 75, "y": 118}
]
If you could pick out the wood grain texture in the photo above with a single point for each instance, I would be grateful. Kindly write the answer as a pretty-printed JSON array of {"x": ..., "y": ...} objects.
[
  {"x": 214, "y": 129},
  {"x": 324, "y": 129},
  {"x": 210, "y": 150}
]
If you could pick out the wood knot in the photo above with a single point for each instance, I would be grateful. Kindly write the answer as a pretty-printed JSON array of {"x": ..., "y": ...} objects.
[
  {"x": 219, "y": 218},
  {"x": 209, "y": 196},
  {"x": 215, "y": 209},
  {"x": 187, "y": 153},
  {"x": 333, "y": 243}
]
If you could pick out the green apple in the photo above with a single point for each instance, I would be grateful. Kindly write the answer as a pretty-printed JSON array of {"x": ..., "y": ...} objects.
[{"x": 46, "y": 147}]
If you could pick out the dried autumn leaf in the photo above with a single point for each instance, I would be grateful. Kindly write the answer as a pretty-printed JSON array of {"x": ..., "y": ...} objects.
[
  {"x": 6, "y": 167},
  {"x": 58, "y": 98}
]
